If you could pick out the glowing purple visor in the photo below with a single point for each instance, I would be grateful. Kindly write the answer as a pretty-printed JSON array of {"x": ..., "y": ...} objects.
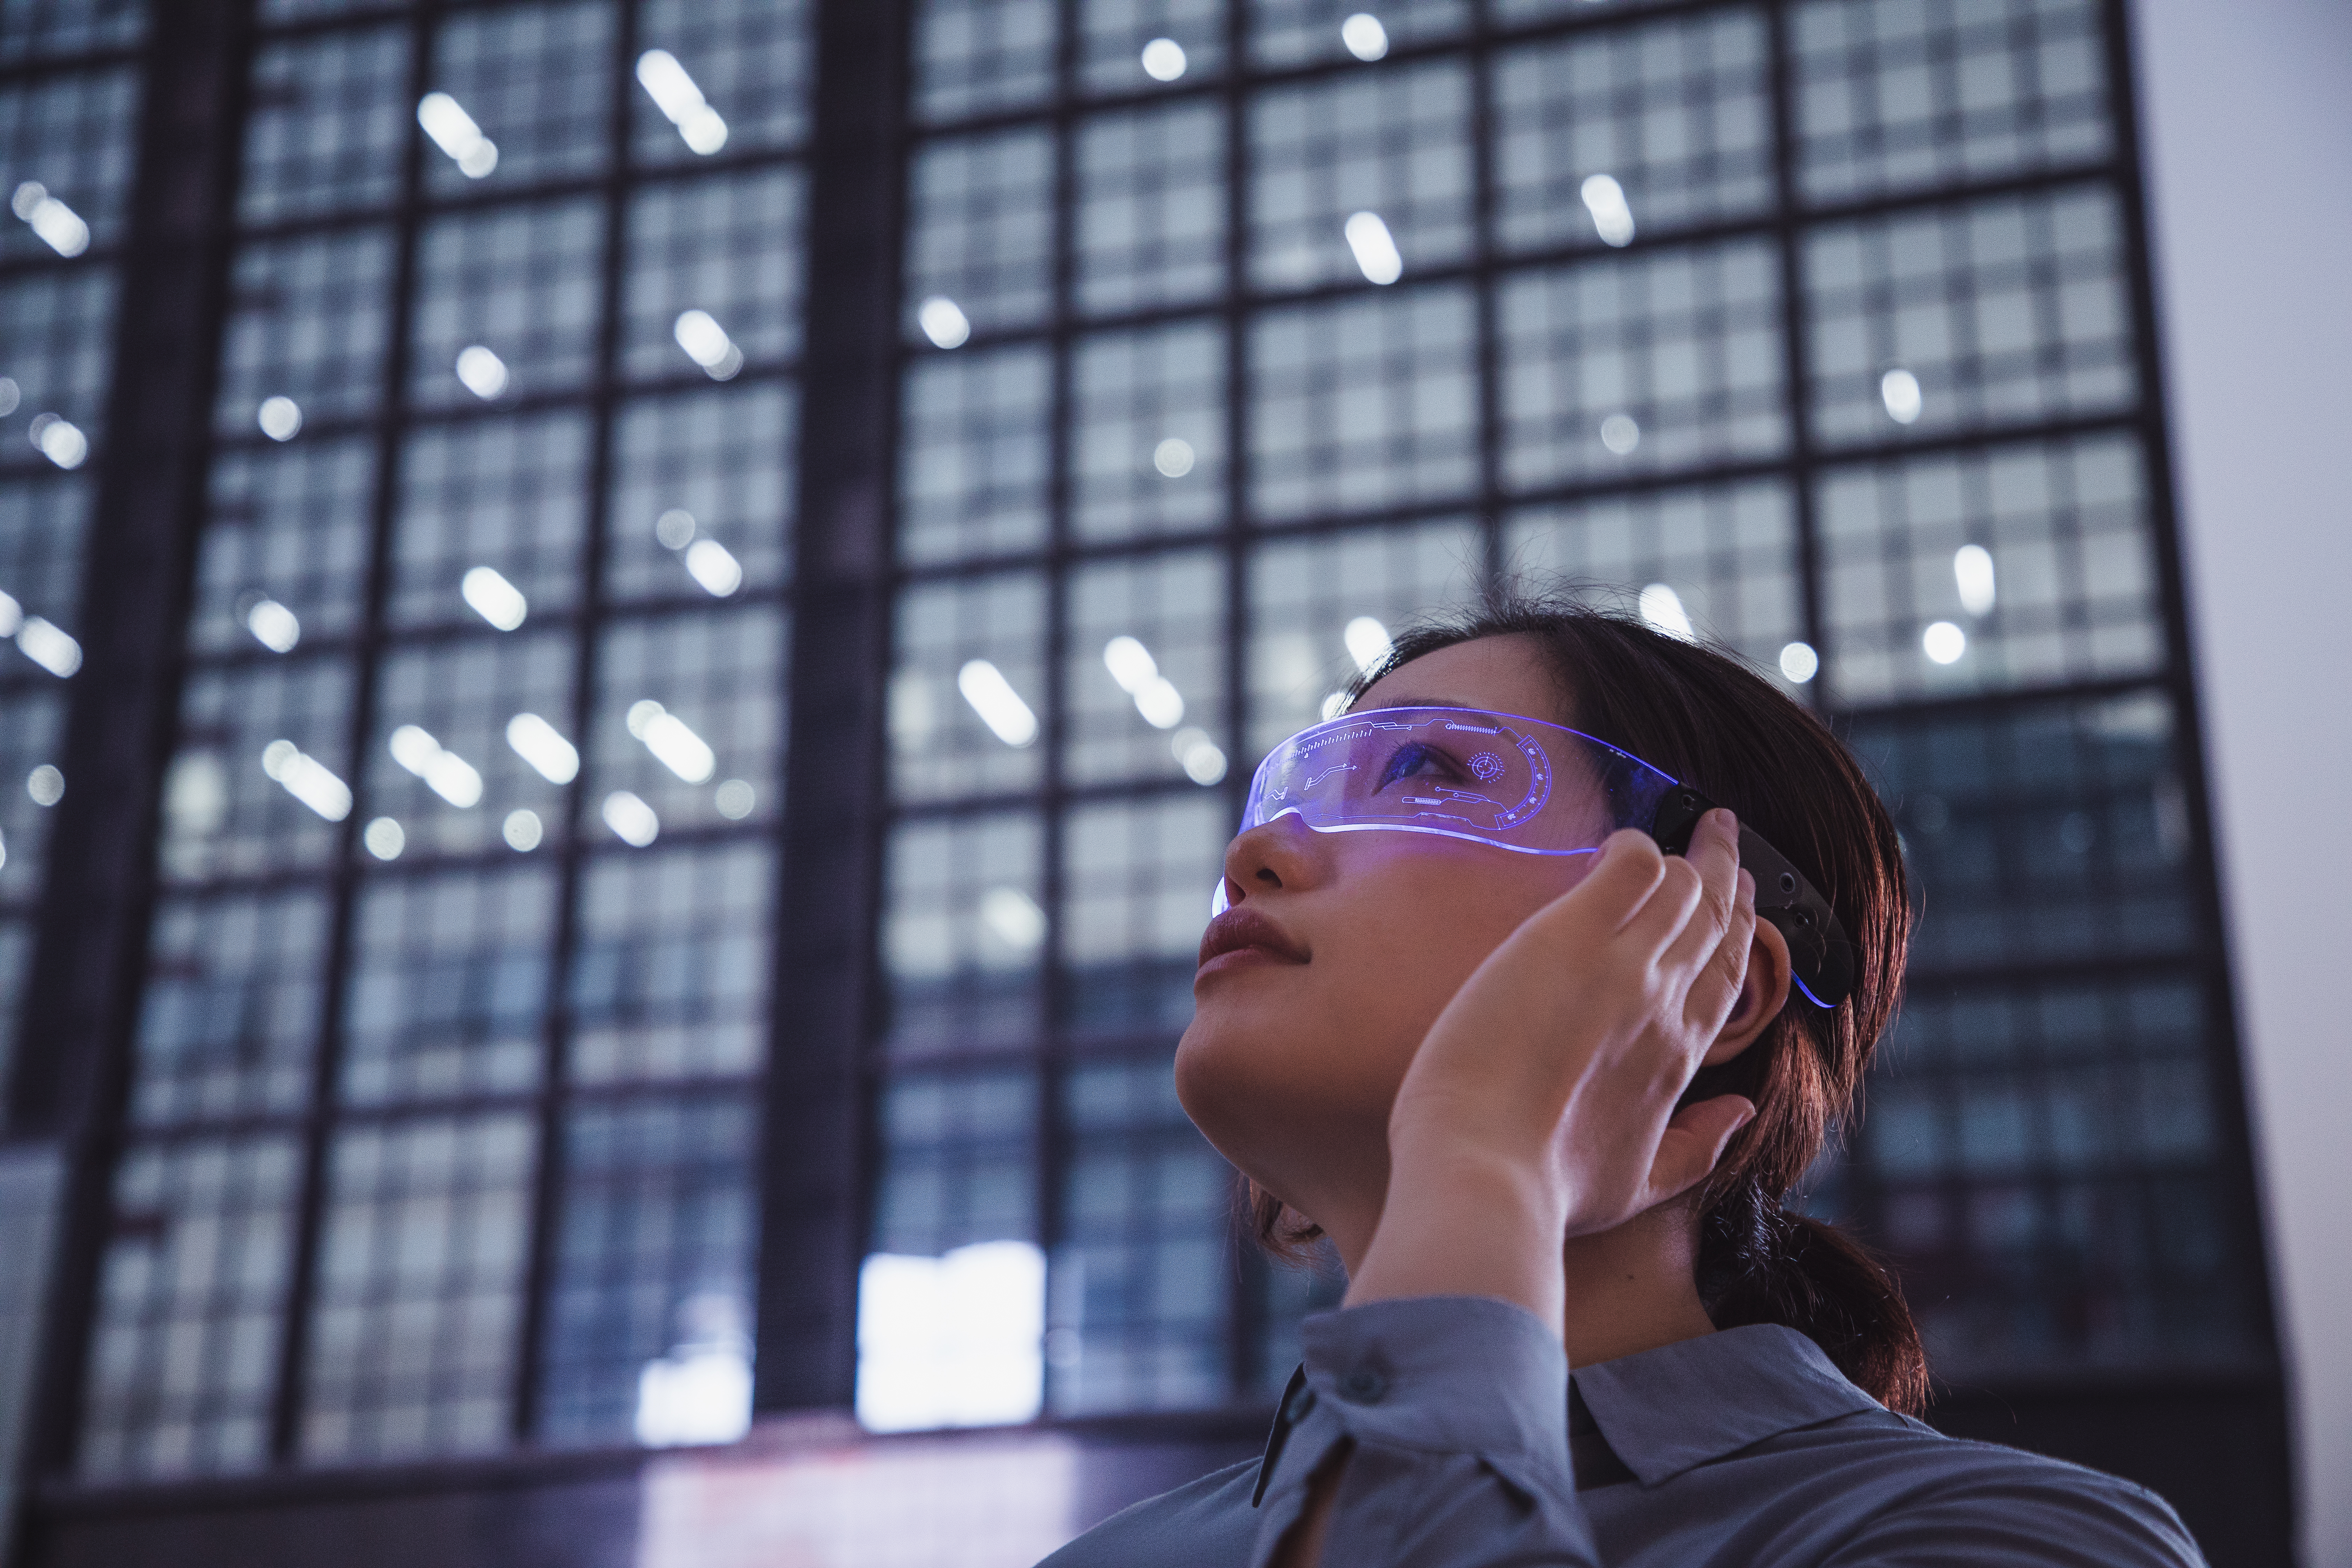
[{"x": 1532, "y": 788}]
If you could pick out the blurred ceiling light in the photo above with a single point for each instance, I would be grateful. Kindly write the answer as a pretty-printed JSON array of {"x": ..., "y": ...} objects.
[
  {"x": 630, "y": 818},
  {"x": 681, "y": 101},
  {"x": 484, "y": 373},
  {"x": 494, "y": 598},
  {"x": 273, "y": 626},
  {"x": 706, "y": 343},
  {"x": 1799, "y": 663},
  {"x": 1944, "y": 642},
  {"x": 710, "y": 564},
  {"x": 49, "y": 646},
  {"x": 12, "y": 615},
  {"x": 1365, "y": 37},
  {"x": 1663, "y": 608},
  {"x": 1368, "y": 643},
  {"x": 384, "y": 838},
  {"x": 444, "y": 773},
  {"x": 59, "y": 439},
  {"x": 1162, "y": 705},
  {"x": 306, "y": 779},
  {"x": 999, "y": 706},
  {"x": 1173, "y": 458},
  {"x": 1163, "y": 60},
  {"x": 735, "y": 799},
  {"x": 454, "y": 131},
  {"x": 956, "y": 1340},
  {"x": 1972, "y": 571},
  {"x": 1899, "y": 390},
  {"x": 1130, "y": 663},
  {"x": 1375, "y": 250},
  {"x": 280, "y": 418},
  {"x": 46, "y": 784},
  {"x": 1620, "y": 434},
  {"x": 522, "y": 830},
  {"x": 1014, "y": 917},
  {"x": 674, "y": 528},
  {"x": 944, "y": 322},
  {"x": 541, "y": 744},
  {"x": 672, "y": 742},
  {"x": 1202, "y": 760},
  {"x": 59, "y": 226},
  {"x": 1604, "y": 198},
  {"x": 11, "y": 395},
  {"x": 1335, "y": 705}
]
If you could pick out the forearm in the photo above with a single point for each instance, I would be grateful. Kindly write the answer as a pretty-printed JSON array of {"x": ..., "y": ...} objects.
[{"x": 1462, "y": 1220}]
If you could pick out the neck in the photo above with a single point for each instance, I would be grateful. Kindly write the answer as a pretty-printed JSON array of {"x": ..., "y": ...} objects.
[{"x": 1632, "y": 1289}]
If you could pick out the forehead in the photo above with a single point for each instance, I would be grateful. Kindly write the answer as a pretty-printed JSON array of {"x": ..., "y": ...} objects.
[{"x": 1506, "y": 675}]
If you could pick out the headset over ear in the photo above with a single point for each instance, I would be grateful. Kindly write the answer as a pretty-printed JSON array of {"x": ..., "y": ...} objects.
[{"x": 1819, "y": 953}]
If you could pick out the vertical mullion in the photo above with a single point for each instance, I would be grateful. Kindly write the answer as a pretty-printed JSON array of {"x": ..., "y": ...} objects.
[
  {"x": 547, "y": 1177},
  {"x": 1795, "y": 362},
  {"x": 1489, "y": 311},
  {"x": 1246, "y": 1286},
  {"x": 1052, "y": 1142},
  {"x": 367, "y": 646}
]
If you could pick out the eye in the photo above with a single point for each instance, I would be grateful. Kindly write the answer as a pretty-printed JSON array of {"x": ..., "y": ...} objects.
[{"x": 1414, "y": 760}]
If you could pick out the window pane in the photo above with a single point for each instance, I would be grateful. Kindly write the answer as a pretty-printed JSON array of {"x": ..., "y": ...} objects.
[
  {"x": 463, "y": 693},
  {"x": 1174, "y": 606},
  {"x": 328, "y": 119},
  {"x": 509, "y": 492},
  {"x": 724, "y": 457},
  {"x": 750, "y": 57},
  {"x": 1394, "y": 142},
  {"x": 1894, "y": 98},
  {"x": 2004, "y": 312},
  {"x": 965, "y": 935},
  {"x": 2065, "y": 589},
  {"x": 1363, "y": 403},
  {"x": 32, "y": 732},
  {"x": 185, "y": 1348},
  {"x": 956, "y": 1157},
  {"x": 61, "y": 131},
  {"x": 1148, "y": 432},
  {"x": 940, "y": 745},
  {"x": 670, "y": 977},
  {"x": 1677, "y": 112},
  {"x": 1293, "y": 32},
  {"x": 975, "y": 56},
  {"x": 224, "y": 815},
  {"x": 538, "y": 80},
  {"x": 728, "y": 247},
  {"x": 289, "y": 524},
  {"x": 713, "y": 677},
  {"x": 309, "y": 325},
  {"x": 1660, "y": 361},
  {"x": 1151, "y": 207},
  {"x": 520, "y": 282},
  {"x": 1729, "y": 554},
  {"x": 229, "y": 1022},
  {"x": 1112, "y": 34},
  {"x": 419, "y": 1291},
  {"x": 1137, "y": 881},
  {"x": 972, "y": 454},
  {"x": 982, "y": 232},
  {"x": 1304, "y": 593}
]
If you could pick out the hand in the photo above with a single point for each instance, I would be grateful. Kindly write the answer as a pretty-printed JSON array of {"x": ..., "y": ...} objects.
[{"x": 1540, "y": 1105}]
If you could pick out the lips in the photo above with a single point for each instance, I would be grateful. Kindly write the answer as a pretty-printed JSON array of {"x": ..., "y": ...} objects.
[{"x": 1242, "y": 928}]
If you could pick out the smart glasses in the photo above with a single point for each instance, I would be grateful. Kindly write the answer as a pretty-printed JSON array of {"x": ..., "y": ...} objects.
[{"x": 1532, "y": 788}]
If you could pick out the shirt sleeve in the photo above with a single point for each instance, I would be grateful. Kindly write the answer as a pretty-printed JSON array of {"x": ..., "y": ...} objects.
[{"x": 1454, "y": 1410}]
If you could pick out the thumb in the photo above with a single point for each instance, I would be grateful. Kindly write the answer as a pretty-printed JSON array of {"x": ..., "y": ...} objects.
[{"x": 1694, "y": 1142}]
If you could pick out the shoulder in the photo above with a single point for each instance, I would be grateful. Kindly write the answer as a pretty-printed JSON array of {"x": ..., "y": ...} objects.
[
  {"x": 1916, "y": 1495},
  {"x": 1206, "y": 1523}
]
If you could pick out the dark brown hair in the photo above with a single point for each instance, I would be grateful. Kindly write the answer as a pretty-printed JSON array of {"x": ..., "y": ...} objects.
[{"x": 1704, "y": 716}]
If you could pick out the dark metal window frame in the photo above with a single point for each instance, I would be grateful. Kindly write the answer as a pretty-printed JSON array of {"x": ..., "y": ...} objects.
[{"x": 819, "y": 1164}]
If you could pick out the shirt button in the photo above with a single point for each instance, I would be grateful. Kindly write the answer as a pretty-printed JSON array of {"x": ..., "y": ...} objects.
[{"x": 1364, "y": 1385}]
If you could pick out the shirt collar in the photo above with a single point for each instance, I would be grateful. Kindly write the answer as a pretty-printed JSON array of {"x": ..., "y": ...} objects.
[{"x": 1671, "y": 1409}]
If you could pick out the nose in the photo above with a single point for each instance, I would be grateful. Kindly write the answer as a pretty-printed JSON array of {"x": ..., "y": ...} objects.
[{"x": 1281, "y": 855}]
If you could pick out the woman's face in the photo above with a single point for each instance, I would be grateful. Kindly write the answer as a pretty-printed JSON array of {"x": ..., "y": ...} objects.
[{"x": 1298, "y": 1044}]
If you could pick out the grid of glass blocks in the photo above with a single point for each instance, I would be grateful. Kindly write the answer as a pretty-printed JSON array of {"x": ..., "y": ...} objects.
[
  {"x": 484, "y": 710},
  {"x": 1239, "y": 381},
  {"x": 68, "y": 129}
]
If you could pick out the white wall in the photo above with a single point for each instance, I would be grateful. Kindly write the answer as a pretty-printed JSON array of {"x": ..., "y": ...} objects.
[{"x": 2248, "y": 114}]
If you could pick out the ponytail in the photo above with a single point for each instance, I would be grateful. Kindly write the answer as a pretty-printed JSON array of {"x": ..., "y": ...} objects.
[{"x": 1757, "y": 1263}]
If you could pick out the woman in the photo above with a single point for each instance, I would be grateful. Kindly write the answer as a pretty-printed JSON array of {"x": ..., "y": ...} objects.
[{"x": 1543, "y": 1086}]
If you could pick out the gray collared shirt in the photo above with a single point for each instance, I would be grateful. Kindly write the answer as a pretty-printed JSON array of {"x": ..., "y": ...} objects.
[{"x": 1745, "y": 1449}]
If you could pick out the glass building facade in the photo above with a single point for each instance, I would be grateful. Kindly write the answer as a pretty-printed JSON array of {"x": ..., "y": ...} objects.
[{"x": 1243, "y": 331}]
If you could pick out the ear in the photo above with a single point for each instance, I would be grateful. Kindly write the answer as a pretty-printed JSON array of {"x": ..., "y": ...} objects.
[{"x": 1762, "y": 995}]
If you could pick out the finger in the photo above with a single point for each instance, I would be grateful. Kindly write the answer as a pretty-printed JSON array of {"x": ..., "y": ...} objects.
[
  {"x": 1623, "y": 876},
  {"x": 1693, "y": 1143},
  {"x": 1715, "y": 857},
  {"x": 1716, "y": 989}
]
